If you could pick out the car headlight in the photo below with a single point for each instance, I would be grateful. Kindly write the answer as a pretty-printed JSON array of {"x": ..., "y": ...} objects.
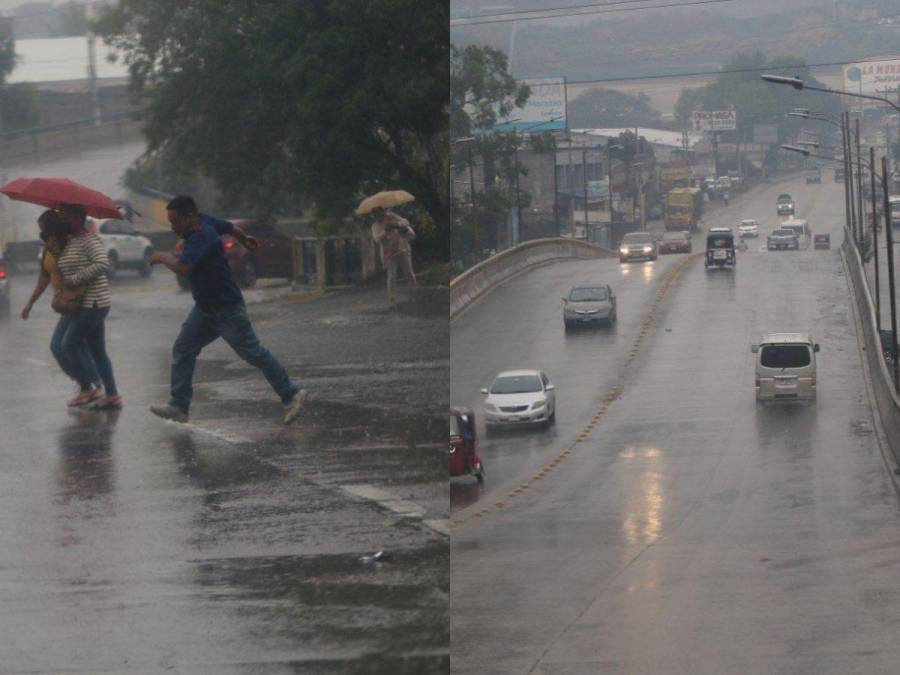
[
  {"x": 647, "y": 249},
  {"x": 491, "y": 407},
  {"x": 624, "y": 249},
  {"x": 538, "y": 404}
]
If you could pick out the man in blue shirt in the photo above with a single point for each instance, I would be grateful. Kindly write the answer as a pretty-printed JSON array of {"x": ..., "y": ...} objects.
[{"x": 219, "y": 310}]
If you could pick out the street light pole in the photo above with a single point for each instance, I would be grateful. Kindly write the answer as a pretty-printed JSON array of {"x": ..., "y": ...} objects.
[
  {"x": 859, "y": 192},
  {"x": 890, "y": 258},
  {"x": 875, "y": 240},
  {"x": 848, "y": 173}
]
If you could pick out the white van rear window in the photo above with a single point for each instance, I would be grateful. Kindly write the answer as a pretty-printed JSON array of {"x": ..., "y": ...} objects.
[{"x": 785, "y": 356}]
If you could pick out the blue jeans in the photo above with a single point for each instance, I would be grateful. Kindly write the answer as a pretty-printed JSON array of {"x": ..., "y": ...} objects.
[
  {"x": 231, "y": 323},
  {"x": 56, "y": 347},
  {"x": 87, "y": 328}
]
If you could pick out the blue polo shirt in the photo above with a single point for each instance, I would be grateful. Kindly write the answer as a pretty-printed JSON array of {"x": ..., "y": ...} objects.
[{"x": 210, "y": 275}]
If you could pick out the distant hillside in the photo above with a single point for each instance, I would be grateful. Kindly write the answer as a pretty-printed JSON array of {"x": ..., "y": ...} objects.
[{"x": 684, "y": 40}]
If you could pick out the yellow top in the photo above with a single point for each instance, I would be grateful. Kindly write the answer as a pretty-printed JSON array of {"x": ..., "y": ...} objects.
[{"x": 51, "y": 267}]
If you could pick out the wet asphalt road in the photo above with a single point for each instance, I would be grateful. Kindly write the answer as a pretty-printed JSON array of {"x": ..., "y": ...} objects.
[
  {"x": 689, "y": 531},
  {"x": 232, "y": 544}
]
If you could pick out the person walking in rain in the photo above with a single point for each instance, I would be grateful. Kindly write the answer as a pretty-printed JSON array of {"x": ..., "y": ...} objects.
[
  {"x": 54, "y": 233},
  {"x": 219, "y": 311},
  {"x": 393, "y": 234},
  {"x": 84, "y": 263}
]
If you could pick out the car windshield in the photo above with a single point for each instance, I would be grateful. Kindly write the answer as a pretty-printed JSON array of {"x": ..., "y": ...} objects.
[
  {"x": 636, "y": 238},
  {"x": 588, "y": 294},
  {"x": 673, "y": 236},
  {"x": 783, "y": 233},
  {"x": 784, "y": 198},
  {"x": 517, "y": 384},
  {"x": 748, "y": 223},
  {"x": 454, "y": 425},
  {"x": 720, "y": 242},
  {"x": 785, "y": 356}
]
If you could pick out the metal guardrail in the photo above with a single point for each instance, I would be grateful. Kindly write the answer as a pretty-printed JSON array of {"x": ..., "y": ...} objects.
[{"x": 63, "y": 126}]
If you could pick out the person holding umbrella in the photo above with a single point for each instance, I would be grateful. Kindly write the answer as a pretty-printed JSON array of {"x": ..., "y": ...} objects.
[
  {"x": 219, "y": 311},
  {"x": 392, "y": 234},
  {"x": 83, "y": 265},
  {"x": 55, "y": 235}
]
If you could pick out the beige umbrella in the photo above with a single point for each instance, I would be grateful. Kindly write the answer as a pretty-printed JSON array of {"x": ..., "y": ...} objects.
[{"x": 385, "y": 199}]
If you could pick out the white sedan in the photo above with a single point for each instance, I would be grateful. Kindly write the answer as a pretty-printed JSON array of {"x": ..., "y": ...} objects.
[
  {"x": 520, "y": 397},
  {"x": 748, "y": 228}
]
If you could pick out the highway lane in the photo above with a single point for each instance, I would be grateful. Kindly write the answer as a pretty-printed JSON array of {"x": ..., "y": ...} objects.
[{"x": 694, "y": 531}]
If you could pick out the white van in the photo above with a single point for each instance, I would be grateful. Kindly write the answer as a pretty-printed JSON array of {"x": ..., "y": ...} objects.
[
  {"x": 798, "y": 225},
  {"x": 785, "y": 367}
]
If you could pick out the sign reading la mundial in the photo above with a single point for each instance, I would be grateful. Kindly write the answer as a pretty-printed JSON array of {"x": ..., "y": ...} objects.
[
  {"x": 715, "y": 120},
  {"x": 877, "y": 76}
]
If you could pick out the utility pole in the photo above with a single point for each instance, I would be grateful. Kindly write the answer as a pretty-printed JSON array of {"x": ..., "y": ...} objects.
[
  {"x": 92, "y": 65},
  {"x": 584, "y": 185},
  {"x": 847, "y": 221},
  {"x": 875, "y": 238},
  {"x": 859, "y": 193},
  {"x": 890, "y": 258},
  {"x": 555, "y": 186},
  {"x": 476, "y": 238}
]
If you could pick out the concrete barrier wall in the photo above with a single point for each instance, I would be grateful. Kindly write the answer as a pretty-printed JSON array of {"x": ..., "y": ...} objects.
[
  {"x": 882, "y": 377},
  {"x": 487, "y": 275},
  {"x": 49, "y": 143}
]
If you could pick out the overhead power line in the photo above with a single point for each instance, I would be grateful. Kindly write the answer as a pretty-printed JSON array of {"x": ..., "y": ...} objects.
[
  {"x": 520, "y": 12},
  {"x": 603, "y": 9},
  {"x": 709, "y": 72}
]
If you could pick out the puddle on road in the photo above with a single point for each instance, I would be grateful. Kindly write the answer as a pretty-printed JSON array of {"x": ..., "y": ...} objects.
[{"x": 321, "y": 602}]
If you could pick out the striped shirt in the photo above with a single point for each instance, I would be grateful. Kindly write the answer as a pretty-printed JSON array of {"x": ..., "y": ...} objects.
[{"x": 84, "y": 261}]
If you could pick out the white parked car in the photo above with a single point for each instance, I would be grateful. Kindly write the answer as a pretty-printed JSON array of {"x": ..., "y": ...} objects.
[
  {"x": 520, "y": 397},
  {"x": 748, "y": 228},
  {"x": 125, "y": 246}
]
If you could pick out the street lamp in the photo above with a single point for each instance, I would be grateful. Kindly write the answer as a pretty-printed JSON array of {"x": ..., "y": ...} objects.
[{"x": 799, "y": 84}]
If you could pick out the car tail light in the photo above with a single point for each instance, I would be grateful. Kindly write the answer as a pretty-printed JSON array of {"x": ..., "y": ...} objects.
[
  {"x": 2, "y": 270},
  {"x": 229, "y": 243},
  {"x": 813, "y": 382}
]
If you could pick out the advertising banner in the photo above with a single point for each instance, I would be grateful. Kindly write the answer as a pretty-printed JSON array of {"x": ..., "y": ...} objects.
[
  {"x": 767, "y": 134},
  {"x": 545, "y": 109},
  {"x": 875, "y": 77},
  {"x": 715, "y": 120}
]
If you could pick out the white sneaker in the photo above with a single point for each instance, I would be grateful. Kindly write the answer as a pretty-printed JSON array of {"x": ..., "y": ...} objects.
[{"x": 293, "y": 408}]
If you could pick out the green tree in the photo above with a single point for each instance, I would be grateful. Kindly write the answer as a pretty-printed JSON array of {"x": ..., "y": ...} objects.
[
  {"x": 314, "y": 101},
  {"x": 482, "y": 91},
  {"x": 755, "y": 101},
  {"x": 18, "y": 102},
  {"x": 604, "y": 108}
]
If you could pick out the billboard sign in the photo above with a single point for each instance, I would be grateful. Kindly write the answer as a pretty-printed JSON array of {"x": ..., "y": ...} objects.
[
  {"x": 545, "y": 109},
  {"x": 715, "y": 120},
  {"x": 875, "y": 77},
  {"x": 766, "y": 134}
]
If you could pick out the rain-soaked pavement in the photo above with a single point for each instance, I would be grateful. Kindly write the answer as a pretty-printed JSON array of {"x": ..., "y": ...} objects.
[
  {"x": 668, "y": 524},
  {"x": 232, "y": 544}
]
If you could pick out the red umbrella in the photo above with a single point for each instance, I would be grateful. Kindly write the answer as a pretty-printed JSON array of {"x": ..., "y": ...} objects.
[{"x": 51, "y": 192}]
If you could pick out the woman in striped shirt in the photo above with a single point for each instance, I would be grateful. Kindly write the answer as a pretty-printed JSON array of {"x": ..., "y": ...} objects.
[
  {"x": 55, "y": 235},
  {"x": 84, "y": 263}
]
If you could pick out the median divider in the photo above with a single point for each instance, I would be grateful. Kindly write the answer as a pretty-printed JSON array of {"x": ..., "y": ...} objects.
[
  {"x": 488, "y": 274},
  {"x": 881, "y": 377}
]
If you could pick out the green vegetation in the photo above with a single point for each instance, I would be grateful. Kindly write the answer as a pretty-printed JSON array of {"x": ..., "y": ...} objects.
[
  {"x": 605, "y": 108},
  {"x": 756, "y": 102},
  {"x": 296, "y": 103}
]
